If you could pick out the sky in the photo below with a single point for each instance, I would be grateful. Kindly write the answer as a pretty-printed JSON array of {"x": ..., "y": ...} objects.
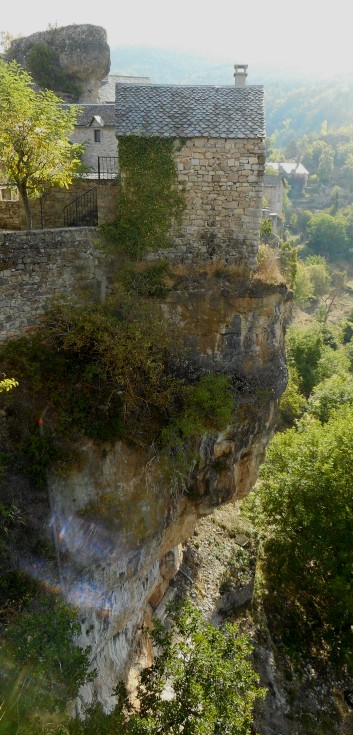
[{"x": 272, "y": 32}]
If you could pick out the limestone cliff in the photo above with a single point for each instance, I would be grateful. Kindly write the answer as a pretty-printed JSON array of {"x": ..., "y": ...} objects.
[
  {"x": 82, "y": 52},
  {"x": 122, "y": 516}
]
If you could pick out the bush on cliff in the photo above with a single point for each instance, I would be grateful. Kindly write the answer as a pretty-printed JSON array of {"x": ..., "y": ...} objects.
[
  {"x": 41, "y": 667},
  {"x": 107, "y": 373}
]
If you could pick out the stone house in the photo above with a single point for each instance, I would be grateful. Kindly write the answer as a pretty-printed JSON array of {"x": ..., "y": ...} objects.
[
  {"x": 95, "y": 129},
  {"x": 295, "y": 173},
  {"x": 220, "y": 158}
]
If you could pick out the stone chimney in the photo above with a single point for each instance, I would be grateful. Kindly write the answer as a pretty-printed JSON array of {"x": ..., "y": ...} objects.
[{"x": 240, "y": 74}]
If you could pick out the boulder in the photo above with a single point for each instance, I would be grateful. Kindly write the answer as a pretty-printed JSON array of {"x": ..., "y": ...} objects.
[{"x": 82, "y": 51}]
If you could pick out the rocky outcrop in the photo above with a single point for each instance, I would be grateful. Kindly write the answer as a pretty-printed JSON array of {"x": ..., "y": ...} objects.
[
  {"x": 83, "y": 54},
  {"x": 122, "y": 515}
]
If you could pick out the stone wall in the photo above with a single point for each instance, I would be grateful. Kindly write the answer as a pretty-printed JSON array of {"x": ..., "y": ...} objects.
[
  {"x": 48, "y": 211},
  {"x": 223, "y": 189},
  {"x": 38, "y": 266},
  {"x": 11, "y": 215}
]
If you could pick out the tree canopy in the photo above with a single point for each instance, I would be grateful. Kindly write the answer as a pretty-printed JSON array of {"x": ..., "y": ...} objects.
[
  {"x": 305, "y": 511},
  {"x": 35, "y": 151}
]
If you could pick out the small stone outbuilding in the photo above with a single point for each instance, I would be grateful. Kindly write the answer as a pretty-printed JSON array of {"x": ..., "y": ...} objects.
[
  {"x": 220, "y": 157},
  {"x": 95, "y": 129}
]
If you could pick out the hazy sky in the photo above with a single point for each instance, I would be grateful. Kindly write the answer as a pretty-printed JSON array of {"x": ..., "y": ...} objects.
[{"x": 300, "y": 33}]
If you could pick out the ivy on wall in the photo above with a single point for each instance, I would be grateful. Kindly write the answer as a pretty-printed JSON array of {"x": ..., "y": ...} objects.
[{"x": 149, "y": 199}]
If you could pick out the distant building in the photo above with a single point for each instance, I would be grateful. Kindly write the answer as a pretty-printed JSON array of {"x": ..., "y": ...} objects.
[
  {"x": 106, "y": 92},
  {"x": 295, "y": 173}
]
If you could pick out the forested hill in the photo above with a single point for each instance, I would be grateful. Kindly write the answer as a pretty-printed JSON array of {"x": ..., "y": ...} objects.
[{"x": 295, "y": 104}]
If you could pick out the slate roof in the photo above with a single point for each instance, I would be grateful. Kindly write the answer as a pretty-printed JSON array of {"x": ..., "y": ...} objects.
[
  {"x": 106, "y": 92},
  {"x": 89, "y": 111},
  {"x": 190, "y": 111},
  {"x": 293, "y": 168}
]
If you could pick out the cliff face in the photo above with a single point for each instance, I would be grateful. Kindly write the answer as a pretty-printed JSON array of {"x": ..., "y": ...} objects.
[{"x": 122, "y": 516}]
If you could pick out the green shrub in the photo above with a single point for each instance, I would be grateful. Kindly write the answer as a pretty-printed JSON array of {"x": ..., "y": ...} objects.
[
  {"x": 330, "y": 394},
  {"x": 108, "y": 373},
  {"x": 331, "y": 362},
  {"x": 146, "y": 280},
  {"x": 292, "y": 403},
  {"x": 207, "y": 406},
  {"x": 208, "y": 673},
  {"x": 319, "y": 276},
  {"x": 288, "y": 260},
  {"x": 303, "y": 286}
]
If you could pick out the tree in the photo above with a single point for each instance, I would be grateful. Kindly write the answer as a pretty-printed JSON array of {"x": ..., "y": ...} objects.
[
  {"x": 330, "y": 394},
  {"x": 327, "y": 234},
  {"x": 305, "y": 513},
  {"x": 35, "y": 151},
  {"x": 42, "y": 667},
  {"x": 305, "y": 348},
  {"x": 201, "y": 682}
]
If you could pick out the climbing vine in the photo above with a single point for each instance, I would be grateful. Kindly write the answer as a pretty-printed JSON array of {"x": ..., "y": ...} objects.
[{"x": 149, "y": 199}]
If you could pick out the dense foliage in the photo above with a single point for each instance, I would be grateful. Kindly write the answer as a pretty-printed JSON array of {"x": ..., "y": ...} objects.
[
  {"x": 107, "y": 373},
  {"x": 42, "y": 668},
  {"x": 306, "y": 513},
  {"x": 201, "y": 681},
  {"x": 149, "y": 200}
]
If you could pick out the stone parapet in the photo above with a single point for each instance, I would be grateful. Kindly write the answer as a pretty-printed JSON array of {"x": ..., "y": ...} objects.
[{"x": 38, "y": 267}]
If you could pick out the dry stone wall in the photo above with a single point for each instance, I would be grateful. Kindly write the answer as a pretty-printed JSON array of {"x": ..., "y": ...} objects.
[
  {"x": 38, "y": 266},
  {"x": 11, "y": 215},
  {"x": 48, "y": 211},
  {"x": 223, "y": 181}
]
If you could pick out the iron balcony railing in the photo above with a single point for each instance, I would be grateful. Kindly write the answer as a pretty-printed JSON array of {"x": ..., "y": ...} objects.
[{"x": 107, "y": 167}]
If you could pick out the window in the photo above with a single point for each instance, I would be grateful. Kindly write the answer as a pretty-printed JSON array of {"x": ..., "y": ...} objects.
[{"x": 97, "y": 136}]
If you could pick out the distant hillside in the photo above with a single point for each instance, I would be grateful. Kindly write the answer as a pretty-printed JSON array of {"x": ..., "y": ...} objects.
[
  {"x": 166, "y": 66},
  {"x": 295, "y": 104}
]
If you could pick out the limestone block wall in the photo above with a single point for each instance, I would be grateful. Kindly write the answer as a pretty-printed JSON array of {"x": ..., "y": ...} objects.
[
  {"x": 38, "y": 266},
  {"x": 223, "y": 180},
  {"x": 11, "y": 215}
]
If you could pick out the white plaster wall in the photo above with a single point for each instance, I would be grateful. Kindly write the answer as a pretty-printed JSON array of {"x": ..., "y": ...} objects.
[{"x": 107, "y": 147}]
